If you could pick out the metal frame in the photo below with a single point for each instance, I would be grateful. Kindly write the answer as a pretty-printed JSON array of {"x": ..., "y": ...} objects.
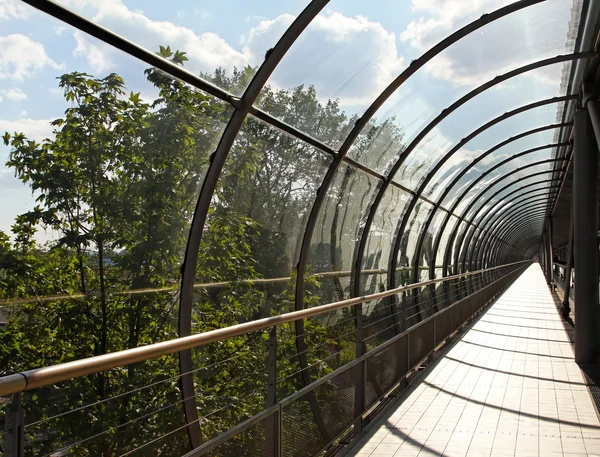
[
  {"x": 545, "y": 190},
  {"x": 507, "y": 115},
  {"x": 467, "y": 239},
  {"x": 500, "y": 205},
  {"x": 243, "y": 107},
  {"x": 478, "y": 243},
  {"x": 206, "y": 194},
  {"x": 457, "y": 202},
  {"x": 463, "y": 233},
  {"x": 418, "y": 251},
  {"x": 492, "y": 185},
  {"x": 477, "y": 254},
  {"x": 514, "y": 229},
  {"x": 363, "y": 121},
  {"x": 427, "y": 178},
  {"x": 366, "y": 228}
]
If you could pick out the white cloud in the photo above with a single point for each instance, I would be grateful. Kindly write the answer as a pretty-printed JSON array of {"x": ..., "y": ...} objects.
[
  {"x": 98, "y": 56},
  {"x": 23, "y": 113},
  {"x": 35, "y": 129},
  {"x": 12, "y": 9},
  {"x": 206, "y": 51},
  {"x": 14, "y": 94},
  {"x": 20, "y": 57},
  {"x": 347, "y": 57},
  {"x": 525, "y": 36},
  {"x": 58, "y": 30}
]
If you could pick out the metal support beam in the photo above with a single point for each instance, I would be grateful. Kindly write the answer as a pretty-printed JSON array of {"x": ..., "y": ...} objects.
[{"x": 585, "y": 188}]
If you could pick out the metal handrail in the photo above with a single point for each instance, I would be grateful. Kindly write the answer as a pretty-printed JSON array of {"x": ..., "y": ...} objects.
[
  {"x": 39, "y": 377},
  {"x": 203, "y": 285}
]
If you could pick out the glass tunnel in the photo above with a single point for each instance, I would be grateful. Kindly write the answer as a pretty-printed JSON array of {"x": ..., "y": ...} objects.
[{"x": 234, "y": 228}]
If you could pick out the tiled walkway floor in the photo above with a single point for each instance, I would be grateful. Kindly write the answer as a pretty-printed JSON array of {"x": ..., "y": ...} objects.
[{"x": 508, "y": 387}]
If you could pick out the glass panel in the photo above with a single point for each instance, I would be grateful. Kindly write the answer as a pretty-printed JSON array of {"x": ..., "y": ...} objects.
[
  {"x": 494, "y": 182},
  {"x": 475, "y": 149},
  {"x": 381, "y": 238},
  {"x": 514, "y": 190},
  {"x": 492, "y": 211},
  {"x": 516, "y": 92},
  {"x": 460, "y": 231},
  {"x": 442, "y": 290},
  {"x": 109, "y": 167},
  {"x": 336, "y": 233},
  {"x": 382, "y": 316},
  {"x": 329, "y": 262},
  {"x": 256, "y": 223},
  {"x": 350, "y": 53},
  {"x": 515, "y": 40},
  {"x": 408, "y": 245},
  {"x": 225, "y": 42}
]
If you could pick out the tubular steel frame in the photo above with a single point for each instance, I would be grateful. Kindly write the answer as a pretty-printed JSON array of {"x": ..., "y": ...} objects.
[
  {"x": 489, "y": 187},
  {"x": 243, "y": 107},
  {"x": 515, "y": 212},
  {"x": 546, "y": 192},
  {"x": 401, "y": 228}
]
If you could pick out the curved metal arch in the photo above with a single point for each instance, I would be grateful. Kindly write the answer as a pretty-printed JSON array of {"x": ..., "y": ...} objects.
[
  {"x": 365, "y": 229},
  {"x": 400, "y": 228},
  {"x": 441, "y": 198},
  {"x": 465, "y": 193},
  {"x": 515, "y": 211},
  {"x": 363, "y": 121},
  {"x": 495, "y": 215},
  {"x": 205, "y": 197},
  {"x": 524, "y": 223},
  {"x": 462, "y": 235},
  {"x": 481, "y": 241},
  {"x": 484, "y": 191},
  {"x": 461, "y": 238},
  {"x": 500, "y": 253},
  {"x": 503, "y": 254},
  {"x": 495, "y": 210}
]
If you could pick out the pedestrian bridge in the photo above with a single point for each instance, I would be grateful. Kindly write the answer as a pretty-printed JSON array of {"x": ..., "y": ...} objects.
[
  {"x": 508, "y": 385},
  {"x": 301, "y": 228}
]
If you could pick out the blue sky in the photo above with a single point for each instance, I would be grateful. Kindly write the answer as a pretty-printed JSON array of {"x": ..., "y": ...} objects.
[{"x": 351, "y": 51}]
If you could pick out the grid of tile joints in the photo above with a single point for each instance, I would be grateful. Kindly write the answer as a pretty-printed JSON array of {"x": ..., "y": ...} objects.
[{"x": 508, "y": 387}]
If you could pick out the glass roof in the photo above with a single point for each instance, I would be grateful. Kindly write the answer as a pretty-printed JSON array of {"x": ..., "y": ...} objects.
[
  {"x": 384, "y": 109},
  {"x": 251, "y": 158},
  {"x": 362, "y": 120}
]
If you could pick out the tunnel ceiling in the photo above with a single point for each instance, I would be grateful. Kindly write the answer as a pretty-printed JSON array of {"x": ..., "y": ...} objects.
[
  {"x": 391, "y": 136},
  {"x": 292, "y": 154}
]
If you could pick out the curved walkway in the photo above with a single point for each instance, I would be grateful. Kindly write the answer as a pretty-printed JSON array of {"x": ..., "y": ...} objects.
[{"x": 508, "y": 387}]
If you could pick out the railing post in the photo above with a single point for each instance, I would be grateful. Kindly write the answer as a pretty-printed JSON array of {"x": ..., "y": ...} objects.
[
  {"x": 273, "y": 432},
  {"x": 13, "y": 428},
  {"x": 359, "y": 387}
]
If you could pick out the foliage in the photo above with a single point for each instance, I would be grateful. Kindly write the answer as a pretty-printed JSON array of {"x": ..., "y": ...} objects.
[{"x": 117, "y": 184}]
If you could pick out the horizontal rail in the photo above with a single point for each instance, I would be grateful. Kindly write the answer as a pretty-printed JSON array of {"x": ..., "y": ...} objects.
[
  {"x": 206, "y": 285},
  {"x": 40, "y": 377}
]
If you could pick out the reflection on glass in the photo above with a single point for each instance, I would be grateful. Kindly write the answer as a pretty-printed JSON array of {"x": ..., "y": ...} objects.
[
  {"x": 466, "y": 156},
  {"x": 114, "y": 159},
  {"x": 380, "y": 240},
  {"x": 222, "y": 40}
]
